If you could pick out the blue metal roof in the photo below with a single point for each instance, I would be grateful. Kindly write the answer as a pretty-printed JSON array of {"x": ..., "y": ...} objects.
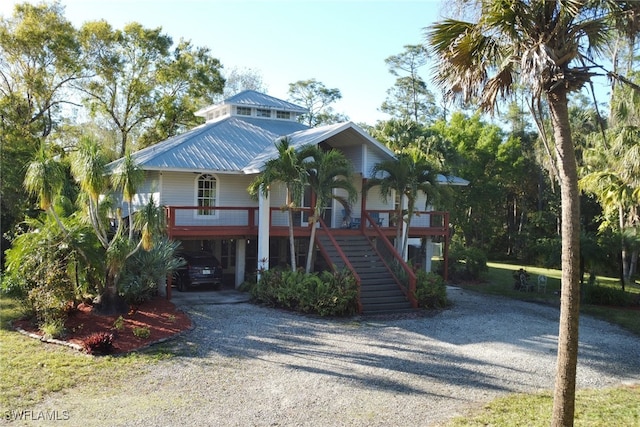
[
  {"x": 257, "y": 99},
  {"x": 228, "y": 145}
]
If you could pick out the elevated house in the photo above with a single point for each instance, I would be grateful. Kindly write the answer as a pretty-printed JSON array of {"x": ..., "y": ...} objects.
[{"x": 201, "y": 179}]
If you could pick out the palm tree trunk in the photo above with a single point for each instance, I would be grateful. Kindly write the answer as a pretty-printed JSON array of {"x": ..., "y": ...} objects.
[
  {"x": 399, "y": 224},
  {"x": 292, "y": 245},
  {"x": 565, "y": 382},
  {"x": 312, "y": 240},
  {"x": 130, "y": 220},
  {"x": 405, "y": 237},
  {"x": 624, "y": 266}
]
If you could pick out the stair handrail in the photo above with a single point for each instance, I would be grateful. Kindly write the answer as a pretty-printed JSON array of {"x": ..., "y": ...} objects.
[
  {"x": 411, "y": 292},
  {"x": 344, "y": 258}
]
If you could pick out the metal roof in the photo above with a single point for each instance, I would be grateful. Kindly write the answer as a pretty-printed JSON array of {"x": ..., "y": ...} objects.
[
  {"x": 452, "y": 180},
  {"x": 314, "y": 136},
  {"x": 258, "y": 99},
  {"x": 251, "y": 98},
  {"x": 228, "y": 145}
]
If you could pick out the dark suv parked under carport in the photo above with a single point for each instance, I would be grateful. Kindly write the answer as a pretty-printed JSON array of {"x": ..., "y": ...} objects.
[{"x": 201, "y": 269}]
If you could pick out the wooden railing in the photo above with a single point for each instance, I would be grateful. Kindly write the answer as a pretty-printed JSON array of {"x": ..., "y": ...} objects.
[
  {"x": 192, "y": 220},
  {"x": 393, "y": 261},
  {"x": 185, "y": 221},
  {"x": 428, "y": 222},
  {"x": 344, "y": 258}
]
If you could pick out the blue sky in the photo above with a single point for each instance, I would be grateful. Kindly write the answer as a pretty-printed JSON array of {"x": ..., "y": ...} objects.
[{"x": 342, "y": 44}]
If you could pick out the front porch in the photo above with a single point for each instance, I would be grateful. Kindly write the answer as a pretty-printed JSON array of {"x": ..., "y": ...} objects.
[
  {"x": 334, "y": 244},
  {"x": 230, "y": 221}
]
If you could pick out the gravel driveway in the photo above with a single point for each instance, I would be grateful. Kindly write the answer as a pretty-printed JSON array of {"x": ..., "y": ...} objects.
[{"x": 245, "y": 365}]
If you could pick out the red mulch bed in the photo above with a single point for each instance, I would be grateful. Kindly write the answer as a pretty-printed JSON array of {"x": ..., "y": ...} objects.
[{"x": 162, "y": 318}]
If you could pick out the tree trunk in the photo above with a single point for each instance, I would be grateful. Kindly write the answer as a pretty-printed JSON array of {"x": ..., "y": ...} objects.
[
  {"x": 292, "y": 244},
  {"x": 109, "y": 302},
  {"x": 400, "y": 224},
  {"x": 565, "y": 382},
  {"x": 624, "y": 267},
  {"x": 312, "y": 240},
  {"x": 633, "y": 266}
]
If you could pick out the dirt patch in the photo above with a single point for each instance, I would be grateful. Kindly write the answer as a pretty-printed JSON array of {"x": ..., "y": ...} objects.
[{"x": 160, "y": 317}]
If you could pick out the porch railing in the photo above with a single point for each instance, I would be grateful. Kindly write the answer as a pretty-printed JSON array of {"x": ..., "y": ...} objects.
[
  {"x": 229, "y": 220},
  {"x": 197, "y": 220},
  {"x": 401, "y": 272}
]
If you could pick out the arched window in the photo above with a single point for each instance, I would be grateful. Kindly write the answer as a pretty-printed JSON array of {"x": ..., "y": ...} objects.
[{"x": 206, "y": 194}]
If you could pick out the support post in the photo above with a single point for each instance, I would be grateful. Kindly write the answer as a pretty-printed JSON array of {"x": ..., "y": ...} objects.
[
  {"x": 241, "y": 265},
  {"x": 428, "y": 254},
  {"x": 264, "y": 223}
]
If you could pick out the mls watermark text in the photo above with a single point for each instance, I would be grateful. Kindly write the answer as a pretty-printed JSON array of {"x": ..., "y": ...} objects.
[{"x": 31, "y": 415}]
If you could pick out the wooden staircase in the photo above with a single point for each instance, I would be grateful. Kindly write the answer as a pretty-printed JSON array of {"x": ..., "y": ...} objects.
[{"x": 379, "y": 293}]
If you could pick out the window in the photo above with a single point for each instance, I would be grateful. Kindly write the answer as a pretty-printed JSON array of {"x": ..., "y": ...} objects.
[
  {"x": 243, "y": 111},
  {"x": 261, "y": 112},
  {"x": 206, "y": 195},
  {"x": 283, "y": 114}
]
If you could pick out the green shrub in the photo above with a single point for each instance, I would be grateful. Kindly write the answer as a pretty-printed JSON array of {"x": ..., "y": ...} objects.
[
  {"x": 604, "y": 295},
  {"x": 467, "y": 263},
  {"x": 53, "y": 328},
  {"x": 142, "y": 332},
  {"x": 118, "y": 324},
  {"x": 145, "y": 269},
  {"x": 326, "y": 294},
  {"x": 51, "y": 295},
  {"x": 431, "y": 291},
  {"x": 332, "y": 294},
  {"x": 44, "y": 267}
]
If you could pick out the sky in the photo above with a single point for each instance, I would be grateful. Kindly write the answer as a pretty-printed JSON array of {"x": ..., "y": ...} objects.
[{"x": 342, "y": 44}]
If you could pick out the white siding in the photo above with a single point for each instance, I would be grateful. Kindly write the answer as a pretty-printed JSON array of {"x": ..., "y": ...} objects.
[
  {"x": 179, "y": 189},
  {"x": 278, "y": 199},
  {"x": 372, "y": 157},
  {"x": 354, "y": 155},
  {"x": 150, "y": 188},
  {"x": 421, "y": 220}
]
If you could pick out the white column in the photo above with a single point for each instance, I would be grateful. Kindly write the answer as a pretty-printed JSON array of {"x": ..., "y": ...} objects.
[
  {"x": 241, "y": 265},
  {"x": 429, "y": 255},
  {"x": 263, "y": 231},
  {"x": 405, "y": 249}
]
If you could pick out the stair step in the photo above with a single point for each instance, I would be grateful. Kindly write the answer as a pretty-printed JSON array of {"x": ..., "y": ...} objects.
[{"x": 379, "y": 293}]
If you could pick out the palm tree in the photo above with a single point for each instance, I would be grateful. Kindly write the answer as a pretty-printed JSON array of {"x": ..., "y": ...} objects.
[
  {"x": 89, "y": 168},
  {"x": 287, "y": 168},
  {"x": 613, "y": 173},
  {"x": 327, "y": 172},
  {"x": 45, "y": 179},
  {"x": 407, "y": 175},
  {"x": 128, "y": 178},
  {"x": 550, "y": 46}
]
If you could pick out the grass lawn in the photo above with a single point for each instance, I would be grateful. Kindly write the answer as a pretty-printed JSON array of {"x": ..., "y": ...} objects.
[
  {"x": 594, "y": 408},
  {"x": 499, "y": 281},
  {"x": 614, "y": 406},
  {"x": 30, "y": 370}
]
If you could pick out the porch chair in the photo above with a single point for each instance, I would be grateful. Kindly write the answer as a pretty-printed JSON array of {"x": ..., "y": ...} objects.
[
  {"x": 542, "y": 283},
  {"x": 348, "y": 221}
]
